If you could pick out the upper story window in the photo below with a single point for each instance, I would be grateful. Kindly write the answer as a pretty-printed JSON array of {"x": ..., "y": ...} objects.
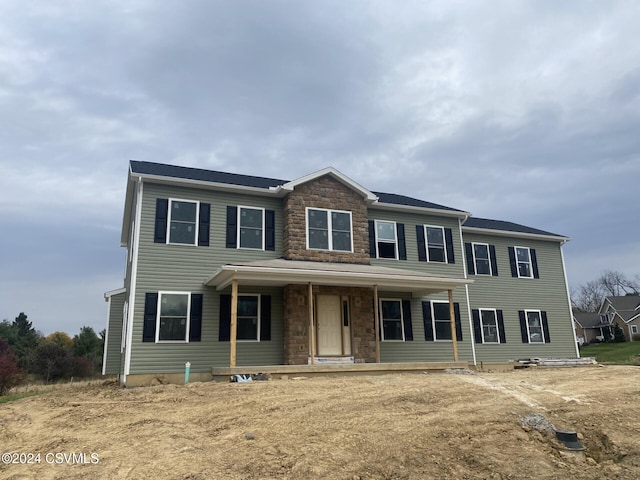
[
  {"x": 183, "y": 222},
  {"x": 329, "y": 230},
  {"x": 386, "y": 239},
  {"x": 251, "y": 231},
  {"x": 524, "y": 262},
  {"x": 481, "y": 258},
  {"x": 436, "y": 247}
]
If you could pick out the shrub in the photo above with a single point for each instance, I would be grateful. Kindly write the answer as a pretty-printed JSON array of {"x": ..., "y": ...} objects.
[
  {"x": 636, "y": 337},
  {"x": 10, "y": 374},
  {"x": 618, "y": 335}
]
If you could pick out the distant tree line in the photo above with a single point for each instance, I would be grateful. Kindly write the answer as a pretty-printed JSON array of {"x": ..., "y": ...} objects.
[
  {"x": 25, "y": 352},
  {"x": 589, "y": 296}
]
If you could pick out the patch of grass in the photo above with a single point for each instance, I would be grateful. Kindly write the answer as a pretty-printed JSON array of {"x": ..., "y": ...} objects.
[
  {"x": 613, "y": 353},
  {"x": 17, "y": 396}
]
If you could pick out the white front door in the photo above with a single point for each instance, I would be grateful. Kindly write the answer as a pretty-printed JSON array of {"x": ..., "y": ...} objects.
[{"x": 329, "y": 325}]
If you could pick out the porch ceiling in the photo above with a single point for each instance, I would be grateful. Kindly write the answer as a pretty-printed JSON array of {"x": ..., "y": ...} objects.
[{"x": 282, "y": 272}]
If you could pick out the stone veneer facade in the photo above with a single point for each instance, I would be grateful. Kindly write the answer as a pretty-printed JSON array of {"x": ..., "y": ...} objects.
[
  {"x": 296, "y": 322},
  {"x": 327, "y": 193}
]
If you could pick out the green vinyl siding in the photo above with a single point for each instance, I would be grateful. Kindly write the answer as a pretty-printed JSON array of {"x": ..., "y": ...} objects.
[
  {"x": 114, "y": 358},
  {"x": 509, "y": 294},
  {"x": 185, "y": 268}
]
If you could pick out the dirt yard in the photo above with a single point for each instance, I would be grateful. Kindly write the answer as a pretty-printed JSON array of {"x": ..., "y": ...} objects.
[{"x": 399, "y": 426}]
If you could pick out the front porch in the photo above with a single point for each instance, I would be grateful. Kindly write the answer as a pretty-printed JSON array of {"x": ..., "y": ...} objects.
[{"x": 284, "y": 371}]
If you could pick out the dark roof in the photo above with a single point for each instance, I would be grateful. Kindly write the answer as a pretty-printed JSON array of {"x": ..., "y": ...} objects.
[
  {"x": 587, "y": 319},
  {"x": 163, "y": 170},
  {"x": 410, "y": 202},
  {"x": 160, "y": 169},
  {"x": 626, "y": 306},
  {"x": 489, "y": 224}
]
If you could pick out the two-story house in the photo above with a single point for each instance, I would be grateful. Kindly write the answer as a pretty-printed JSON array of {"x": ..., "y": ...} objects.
[{"x": 228, "y": 270}]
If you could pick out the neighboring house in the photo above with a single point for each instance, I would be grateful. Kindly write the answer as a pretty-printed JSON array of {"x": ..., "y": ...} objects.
[
  {"x": 235, "y": 270},
  {"x": 591, "y": 327},
  {"x": 624, "y": 312}
]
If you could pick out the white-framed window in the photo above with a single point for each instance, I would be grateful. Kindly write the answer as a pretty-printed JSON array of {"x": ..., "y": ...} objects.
[
  {"x": 534, "y": 326},
  {"x": 391, "y": 319},
  {"x": 172, "y": 317},
  {"x": 248, "y": 317},
  {"x": 435, "y": 243},
  {"x": 523, "y": 262},
  {"x": 329, "y": 230},
  {"x": 182, "y": 223},
  {"x": 386, "y": 239},
  {"x": 489, "y": 325},
  {"x": 441, "y": 320},
  {"x": 481, "y": 258},
  {"x": 251, "y": 228},
  {"x": 634, "y": 329}
]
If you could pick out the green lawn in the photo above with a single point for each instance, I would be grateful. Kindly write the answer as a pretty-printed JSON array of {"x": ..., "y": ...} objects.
[{"x": 613, "y": 353}]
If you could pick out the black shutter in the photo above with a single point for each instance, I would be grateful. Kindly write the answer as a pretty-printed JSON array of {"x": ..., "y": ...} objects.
[
  {"x": 422, "y": 244},
  {"x": 456, "y": 313},
  {"x": 162, "y": 208},
  {"x": 150, "y": 311},
  {"x": 448, "y": 237},
  {"x": 203, "y": 227},
  {"x": 471, "y": 268},
  {"x": 195, "y": 324},
  {"x": 372, "y": 239},
  {"x": 428, "y": 324},
  {"x": 265, "y": 317},
  {"x": 402, "y": 244},
  {"x": 406, "y": 316},
  {"x": 477, "y": 328},
  {"x": 232, "y": 226},
  {"x": 494, "y": 261},
  {"x": 512, "y": 261},
  {"x": 545, "y": 327},
  {"x": 534, "y": 263},
  {"x": 224, "y": 334},
  {"x": 270, "y": 230},
  {"x": 503, "y": 338},
  {"x": 523, "y": 326}
]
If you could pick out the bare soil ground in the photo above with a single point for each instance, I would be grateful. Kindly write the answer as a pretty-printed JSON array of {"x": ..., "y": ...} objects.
[{"x": 397, "y": 426}]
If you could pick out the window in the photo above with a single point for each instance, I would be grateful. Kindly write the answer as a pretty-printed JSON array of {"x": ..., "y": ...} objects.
[
  {"x": 634, "y": 329},
  {"x": 534, "y": 325},
  {"x": 481, "y": 259},
  {"x": 183, "y": 224},
  {"x": 329, "y": 230},
  {"x": 173, "y": 315},
  {"x": 392, "y": 321},
  {"x": 489, "y": 321},
  {"x": 386, "y": 239},
  {"x": 251, "y": 231},
  {"x": 523, "y": 260},
  {"x": 248, "y": 317},
  {"x": 441, "y": 320},
  {"x": 436, "y": 250}
]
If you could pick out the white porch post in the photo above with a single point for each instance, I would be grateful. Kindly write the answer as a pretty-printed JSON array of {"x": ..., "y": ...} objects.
[
  {"x": 234, "y": 321},
  {"x": 312, "y": 340},
  {"x": 454, "y": 341},
  {"x": 376, "y": 314}
]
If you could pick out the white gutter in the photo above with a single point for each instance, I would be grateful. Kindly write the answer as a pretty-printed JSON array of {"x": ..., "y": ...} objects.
[{"x": 508, "y": 233}]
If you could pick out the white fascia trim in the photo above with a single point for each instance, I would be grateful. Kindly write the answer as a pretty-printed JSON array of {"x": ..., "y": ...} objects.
[
  {"x": 133, "y": 280},
  {"x": 466, "y": 288},
  {"x": 341, "y": 177},
  {"x": 506, "y": 233},
  {"x": 566, "y": 285},
  {"x": 424, "y": 210},
  {"x": 111, "y": 293},
  {"x": 210, "y": 185}
]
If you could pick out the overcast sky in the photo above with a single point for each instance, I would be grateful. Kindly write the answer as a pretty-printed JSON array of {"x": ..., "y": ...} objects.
[{"x": 527, "y": 111}]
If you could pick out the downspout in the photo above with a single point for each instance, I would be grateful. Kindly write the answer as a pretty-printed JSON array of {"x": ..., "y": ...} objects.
[
  {"x": 566, "y": 284},
  {"x": 466, "y": 288}
]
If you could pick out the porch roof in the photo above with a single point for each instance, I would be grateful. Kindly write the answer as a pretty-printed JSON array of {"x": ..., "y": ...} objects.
[{"x": 280, "y": 272}]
